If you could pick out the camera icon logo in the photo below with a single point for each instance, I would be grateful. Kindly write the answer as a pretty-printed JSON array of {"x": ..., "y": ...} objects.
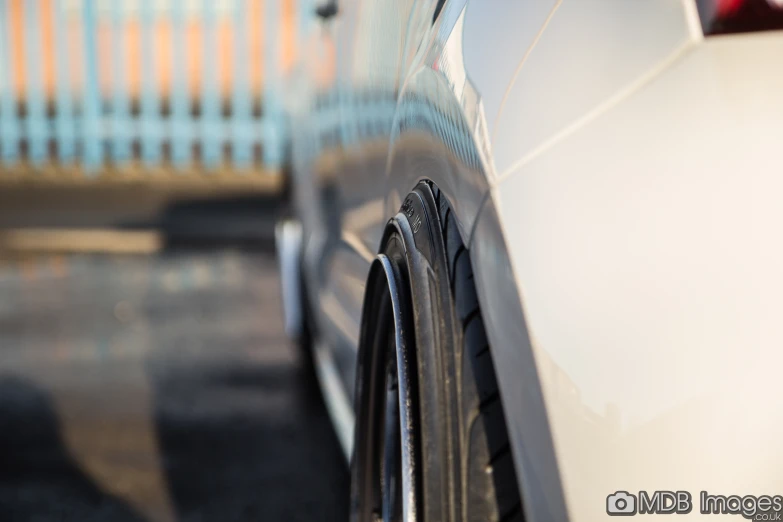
[{"x": 621, "y": 504}]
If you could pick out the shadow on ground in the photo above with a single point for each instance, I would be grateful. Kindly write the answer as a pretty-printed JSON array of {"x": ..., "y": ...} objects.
[
  {"x": 39, "y": 481},
  {"x": 158, "y": 389},
  {"x": 249, "y": 442}
]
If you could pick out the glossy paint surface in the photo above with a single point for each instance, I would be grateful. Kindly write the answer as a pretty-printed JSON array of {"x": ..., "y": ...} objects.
[
  {"x": 650, "y": 281},
  {"x": 613, "y": 173}
]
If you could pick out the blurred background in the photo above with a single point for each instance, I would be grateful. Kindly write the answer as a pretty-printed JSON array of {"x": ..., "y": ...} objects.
[{"x": 144, "y": 372}]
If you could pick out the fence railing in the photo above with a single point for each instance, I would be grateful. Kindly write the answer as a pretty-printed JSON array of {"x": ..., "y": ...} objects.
[{"x": 106, "y": 84}]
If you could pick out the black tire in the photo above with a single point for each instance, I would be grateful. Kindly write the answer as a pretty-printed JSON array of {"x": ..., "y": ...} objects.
[{"x": 465, "y": 470}]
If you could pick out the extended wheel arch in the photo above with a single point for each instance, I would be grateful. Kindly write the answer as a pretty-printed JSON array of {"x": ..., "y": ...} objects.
[{"x": 517, "y": 366}]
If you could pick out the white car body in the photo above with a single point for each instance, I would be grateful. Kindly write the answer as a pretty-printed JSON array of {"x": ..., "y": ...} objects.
[{"x": 617, "y": 179}]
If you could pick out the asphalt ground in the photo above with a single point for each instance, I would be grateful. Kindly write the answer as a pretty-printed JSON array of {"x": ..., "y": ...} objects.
[{"x": 158, "y": 388}]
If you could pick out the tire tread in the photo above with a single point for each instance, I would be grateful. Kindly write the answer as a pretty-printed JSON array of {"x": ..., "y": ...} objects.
[{"x": 490, "y": 480}]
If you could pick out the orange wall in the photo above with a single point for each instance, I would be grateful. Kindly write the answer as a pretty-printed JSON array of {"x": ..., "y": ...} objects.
[{"x": 163, "y": 56}]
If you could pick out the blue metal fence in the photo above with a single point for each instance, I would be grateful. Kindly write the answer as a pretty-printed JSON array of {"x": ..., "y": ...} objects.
[{"x": 92, "y": 128}]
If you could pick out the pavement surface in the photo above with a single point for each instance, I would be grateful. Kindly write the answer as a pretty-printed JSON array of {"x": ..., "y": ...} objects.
[
  {"x": 222, "y": 216},
  {"x": 158, "y": 388}
]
